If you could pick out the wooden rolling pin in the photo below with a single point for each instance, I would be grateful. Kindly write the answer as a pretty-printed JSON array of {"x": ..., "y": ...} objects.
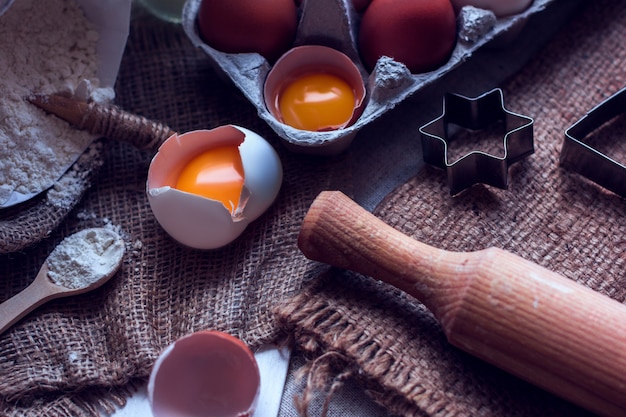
[{"x": 510, "y": 312}]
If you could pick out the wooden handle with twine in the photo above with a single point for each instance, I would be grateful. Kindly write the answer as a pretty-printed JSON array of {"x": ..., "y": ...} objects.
[
  {"x": 510, "y": 312},
  {"x": 108, "y": 121}
]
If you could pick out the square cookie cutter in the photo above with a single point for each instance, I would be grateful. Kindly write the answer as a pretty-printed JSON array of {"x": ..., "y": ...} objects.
[
  {"x": 578, "y": 156},
  {"x": 476, "y": 114}
]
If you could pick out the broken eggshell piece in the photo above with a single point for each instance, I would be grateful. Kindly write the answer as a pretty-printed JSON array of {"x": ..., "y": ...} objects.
[
  {"x": 206, "y": 373},
  {"x": 201, "y": 222},
  {"x": 315, "y": 60}
]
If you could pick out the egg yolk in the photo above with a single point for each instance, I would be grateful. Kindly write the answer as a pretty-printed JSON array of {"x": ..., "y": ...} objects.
[
  {"x": 317, "y": 102},
  {"x": 216, "y": 174}
]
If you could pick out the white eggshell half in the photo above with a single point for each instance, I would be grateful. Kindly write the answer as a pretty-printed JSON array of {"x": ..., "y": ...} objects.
[
  {"x": 263, "y": 173},
  {"x": 200, "y": 222}
]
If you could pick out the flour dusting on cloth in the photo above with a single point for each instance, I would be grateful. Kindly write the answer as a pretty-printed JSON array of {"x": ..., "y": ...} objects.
[{"x": 45, "y": 47}]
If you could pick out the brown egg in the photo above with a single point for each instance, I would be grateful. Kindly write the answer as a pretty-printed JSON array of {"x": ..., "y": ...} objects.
[
  {"x": 419, "y": 33},
  {"x": 360, "y": 5},
  {"x": 267, "y": 27}
]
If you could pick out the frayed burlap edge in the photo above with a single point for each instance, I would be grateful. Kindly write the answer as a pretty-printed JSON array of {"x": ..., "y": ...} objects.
[
  {"x": 92, "y": 402},
  {"x": 338, "y": 348}
]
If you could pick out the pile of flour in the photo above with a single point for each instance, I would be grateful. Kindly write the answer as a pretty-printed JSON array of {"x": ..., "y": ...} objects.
[
  {"x": 45, "y": 47},
  {"x": 85, "y": 257}
]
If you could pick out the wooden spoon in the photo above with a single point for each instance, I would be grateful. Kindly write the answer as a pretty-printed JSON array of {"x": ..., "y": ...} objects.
[
  {"x": 517, "y": 315},
  {"x": 108, "y": 255}
]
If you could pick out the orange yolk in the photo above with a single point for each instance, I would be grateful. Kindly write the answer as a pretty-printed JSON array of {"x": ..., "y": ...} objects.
[
  {"x": 317, "y": 102},
  {"x": 216, "y": 174}
]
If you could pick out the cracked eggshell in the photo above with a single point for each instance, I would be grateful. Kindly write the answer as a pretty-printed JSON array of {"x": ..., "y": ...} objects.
[
  {"x": 206, "y": 373},
  {"x": 200, "y": 222},
  {"x": 335, "y": 23},
  {"x": 309, "y": 59}
]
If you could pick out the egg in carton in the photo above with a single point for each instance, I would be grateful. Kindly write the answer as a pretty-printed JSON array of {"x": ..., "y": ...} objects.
[{"x": 335, "y": 24}]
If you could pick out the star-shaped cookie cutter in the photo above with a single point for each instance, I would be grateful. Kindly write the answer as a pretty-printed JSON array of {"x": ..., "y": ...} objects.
[
  {"x": 476, "y": 114},
  {"x": 579, "y": 157}
]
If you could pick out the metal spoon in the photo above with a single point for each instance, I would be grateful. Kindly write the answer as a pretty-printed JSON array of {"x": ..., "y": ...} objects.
[{"x": 99, "y": 254}]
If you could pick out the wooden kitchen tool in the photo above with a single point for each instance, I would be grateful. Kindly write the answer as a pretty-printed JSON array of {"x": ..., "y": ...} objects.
[
  {"x": 106, "y": 261},
  {"x": 517, "y": 315},
  {"x": 108, "y": 121}
]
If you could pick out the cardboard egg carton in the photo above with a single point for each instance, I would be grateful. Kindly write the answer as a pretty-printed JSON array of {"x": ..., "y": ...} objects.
[{"x": 334, "y": 23}]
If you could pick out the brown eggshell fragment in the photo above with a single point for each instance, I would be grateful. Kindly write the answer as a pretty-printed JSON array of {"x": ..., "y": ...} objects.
[
  {"x": 421, "y": 34},
  {"x": 207, "y": 373},
  {"x": 266, "y": 27}
]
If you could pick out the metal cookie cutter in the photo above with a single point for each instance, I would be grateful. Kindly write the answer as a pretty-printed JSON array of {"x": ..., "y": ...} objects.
[
  {"x": 476, "y": 114},
  {"x": 587, "y": 161}
]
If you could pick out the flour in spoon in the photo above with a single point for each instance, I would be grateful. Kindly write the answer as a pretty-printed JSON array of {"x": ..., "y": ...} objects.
[
  {"x": 85, "y": 257},
  {"x": 45, "y": 47}
]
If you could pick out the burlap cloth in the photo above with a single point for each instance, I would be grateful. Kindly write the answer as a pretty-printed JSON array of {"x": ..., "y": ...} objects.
[
  {"x": 82, "y": 355},
  {"x": 354, "y": 328}
]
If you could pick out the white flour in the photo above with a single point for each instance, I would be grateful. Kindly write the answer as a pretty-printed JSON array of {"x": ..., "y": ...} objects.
[
  {"x": 84, "y": 257},
  {"x": 68, "y": 189},
  {"x": 45, "y": 47}
]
